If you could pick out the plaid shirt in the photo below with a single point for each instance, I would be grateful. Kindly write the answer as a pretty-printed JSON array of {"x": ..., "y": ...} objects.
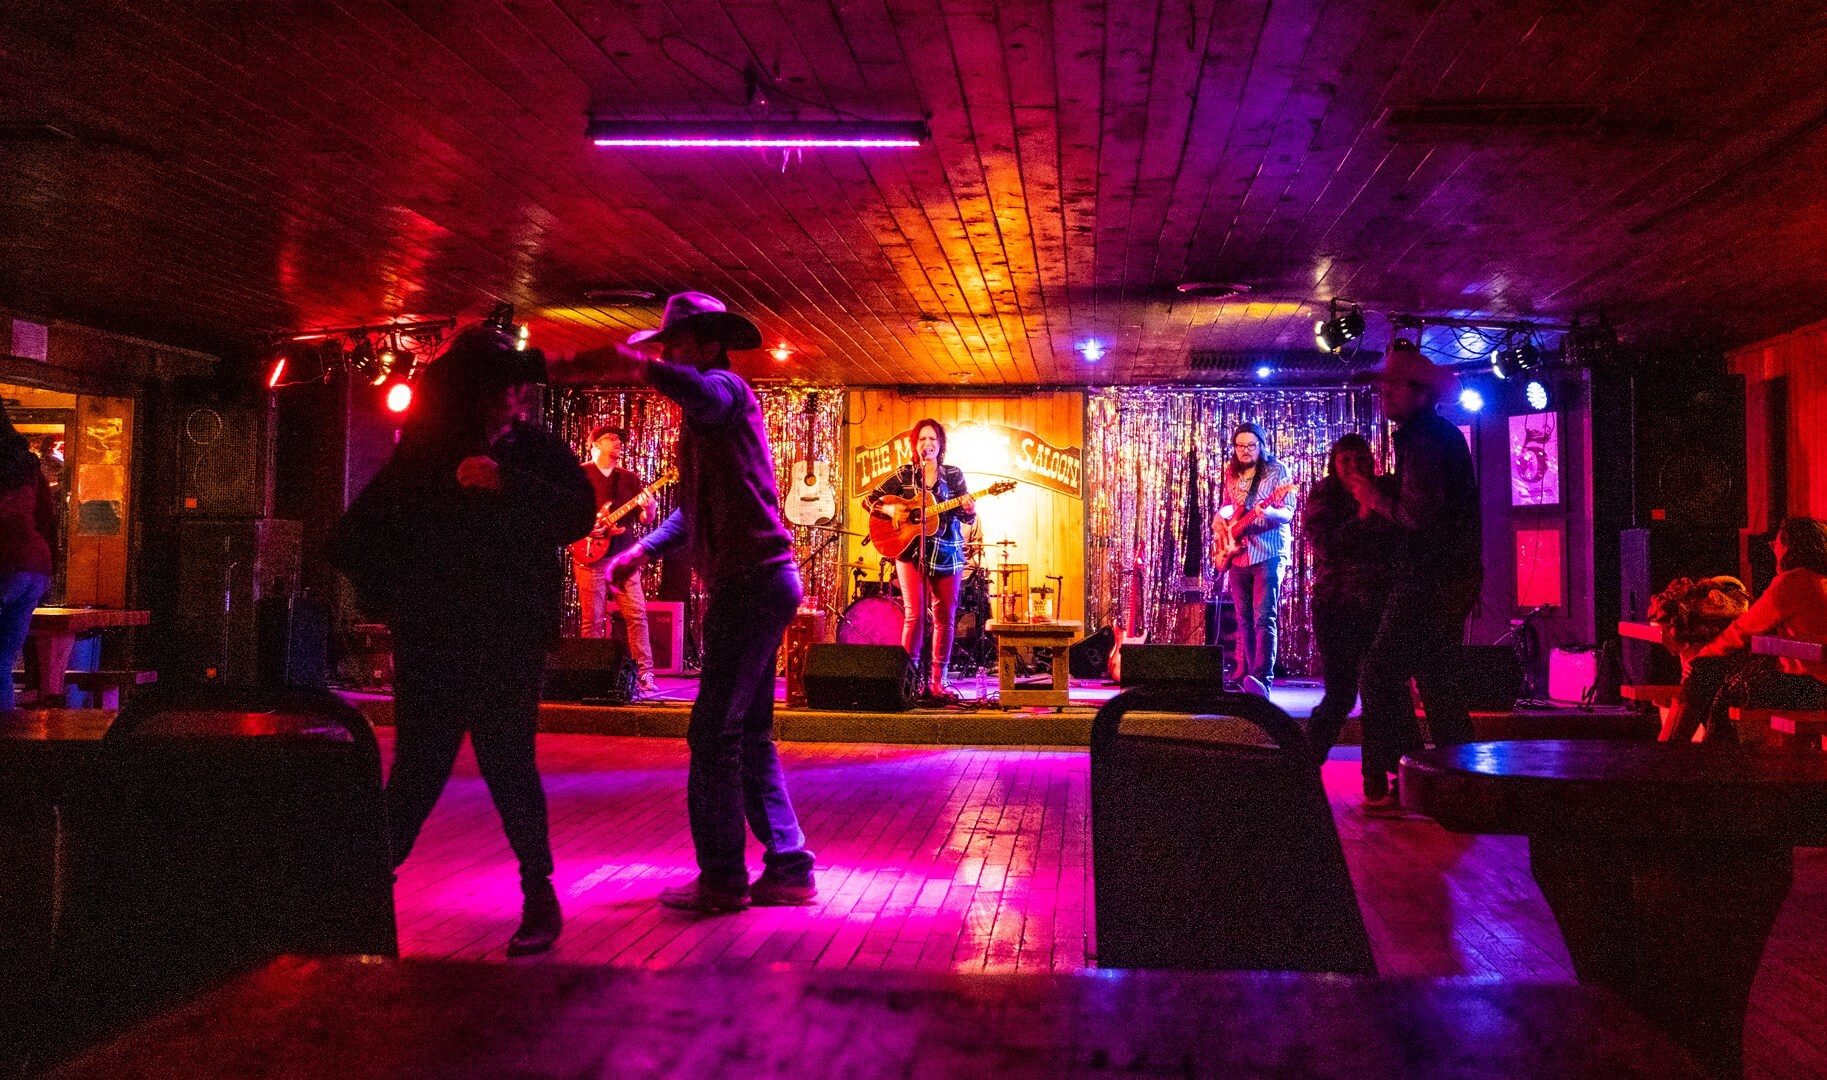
[{"x": 945, "y": 548}]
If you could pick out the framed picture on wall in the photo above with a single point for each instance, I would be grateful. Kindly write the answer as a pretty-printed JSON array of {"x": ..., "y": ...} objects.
[
  {"x": 1535, "y": 459},
  {"x": 1541, "y": 566}
]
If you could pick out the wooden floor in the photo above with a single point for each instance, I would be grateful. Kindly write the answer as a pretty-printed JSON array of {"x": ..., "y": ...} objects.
[{"x": 979, "y": 859}]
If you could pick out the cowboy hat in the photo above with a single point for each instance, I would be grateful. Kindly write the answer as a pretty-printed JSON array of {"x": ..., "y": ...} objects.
[
  {"x": 1404, "y": 363},
  {"x": 705, "y": 316}
]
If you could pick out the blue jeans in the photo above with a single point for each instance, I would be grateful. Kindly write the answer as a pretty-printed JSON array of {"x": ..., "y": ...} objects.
[
  {"x": 20, "y": 592},
  {"x": 1256, "y": 599},
  {"x": 735, "y": 772}
]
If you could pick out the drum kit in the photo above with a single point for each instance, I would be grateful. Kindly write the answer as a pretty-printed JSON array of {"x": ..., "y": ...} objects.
[{"x": 876, "y": 612}]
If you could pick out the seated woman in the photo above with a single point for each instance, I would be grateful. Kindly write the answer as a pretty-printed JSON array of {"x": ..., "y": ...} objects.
[{"x": 1724, "y": 673}]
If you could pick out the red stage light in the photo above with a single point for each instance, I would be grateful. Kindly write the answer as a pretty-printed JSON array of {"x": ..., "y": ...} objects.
[
  {"x": 278, "y": 372},
  {"x": 399, "y": 397}
]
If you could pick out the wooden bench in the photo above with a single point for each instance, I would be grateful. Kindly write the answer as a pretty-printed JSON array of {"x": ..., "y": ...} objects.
[
  {"x": 108, "y": 683},
  {"x": 1660, "y": 696},
  {"x": 1806, "y": 728}
]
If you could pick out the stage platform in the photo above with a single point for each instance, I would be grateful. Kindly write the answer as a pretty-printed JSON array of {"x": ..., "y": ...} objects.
[{"x": 979, "y": 722}]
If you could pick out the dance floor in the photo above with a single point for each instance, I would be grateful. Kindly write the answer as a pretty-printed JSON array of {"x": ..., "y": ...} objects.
[{"x": 952, "y": 858}]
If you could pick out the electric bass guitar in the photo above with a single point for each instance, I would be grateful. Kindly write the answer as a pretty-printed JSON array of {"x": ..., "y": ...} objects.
[
  {"x": 595, "y": 546},
  {"x": 893, "y": 532},
  {"x": 1227, "y": 532},
  {"x": 1126, "y": 631}
]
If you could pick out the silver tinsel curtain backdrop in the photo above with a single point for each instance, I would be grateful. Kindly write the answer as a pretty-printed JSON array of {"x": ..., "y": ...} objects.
[
  {"x": 653, "y": 432},
  {"x": 1149, "y": 452}
]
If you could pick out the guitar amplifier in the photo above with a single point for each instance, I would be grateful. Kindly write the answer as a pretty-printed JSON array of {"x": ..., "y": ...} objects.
[{"x": 666, "y": 630}]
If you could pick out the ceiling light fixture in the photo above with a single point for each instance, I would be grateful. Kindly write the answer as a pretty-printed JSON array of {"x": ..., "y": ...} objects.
[
  {"x": 1092, "y": 350},
  {"x": 781, "y": 352},
  {"x": 783, "y": 134},
  {"x": 1211, "y": 290},
  {"x": 1332, "y": 332}
]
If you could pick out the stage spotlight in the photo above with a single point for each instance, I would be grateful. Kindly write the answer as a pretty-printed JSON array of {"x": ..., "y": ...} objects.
[
  {"x": 276, "y": 373},
  {"x": 1510, "y": 360},
  {"x": 1092, "y": 350},
  {"x": 1471, "y": 400},
  {"x": 520, "y": 338},
  {"x": 362, "y": 358},
  {"x": 399, "y": 397},
  {"x": 1536, "y": 394},
  {"x": 1332, "y": 332},
  {"x": 1264, "y": 371}
]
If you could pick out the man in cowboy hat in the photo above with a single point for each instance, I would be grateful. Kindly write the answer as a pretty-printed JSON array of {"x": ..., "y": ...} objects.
[
  {"x": 729, "y": 521},
  {"x": 1439, "y": 570}
]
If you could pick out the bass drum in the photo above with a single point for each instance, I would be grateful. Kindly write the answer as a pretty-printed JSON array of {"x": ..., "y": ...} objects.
[{"x": 873, "y": 620}]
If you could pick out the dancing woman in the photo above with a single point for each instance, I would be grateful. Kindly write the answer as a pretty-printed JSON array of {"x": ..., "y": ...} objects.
[{"x": 930, "y": 569}]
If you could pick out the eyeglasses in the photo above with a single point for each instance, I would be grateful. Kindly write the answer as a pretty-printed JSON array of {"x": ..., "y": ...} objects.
[{"x": 1250, "y": 444}]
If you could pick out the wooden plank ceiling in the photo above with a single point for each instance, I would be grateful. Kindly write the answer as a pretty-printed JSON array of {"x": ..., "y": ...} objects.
[{"x": 240, "y": 166}]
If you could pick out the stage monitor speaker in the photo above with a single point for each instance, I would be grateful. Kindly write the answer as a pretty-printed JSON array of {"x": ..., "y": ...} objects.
[
  {"x": 1648, "y": 559},
  {"x": 1173, "y": 665},
  {"x": 1493, "y": 678},
  {"x": 292, "y": 635},
  {"x": 1090, "y": 655},
  {"x": 590, "y": 669},
  {"x": 1690, "y": 450},
  {"x": 225, "y": 568},
  {"x": 867, "y": 678}
]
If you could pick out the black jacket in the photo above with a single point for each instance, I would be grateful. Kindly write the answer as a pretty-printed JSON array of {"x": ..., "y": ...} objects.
[{"x": 450, "y": 565}]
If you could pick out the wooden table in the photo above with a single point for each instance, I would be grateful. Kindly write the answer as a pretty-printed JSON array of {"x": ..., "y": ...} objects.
[
  {"x": 1010, "y": 636},
  {"x": 1812, "y": 652},
  {"x": 396, "y": 1020},
  {"x": 53, "y": 637},
  {"x": 1642, "y": 631},
  {"x": 1665, "y": 864}
]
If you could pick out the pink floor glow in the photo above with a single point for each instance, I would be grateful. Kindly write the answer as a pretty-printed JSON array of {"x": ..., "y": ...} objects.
[{"x": 952, "y": 858}]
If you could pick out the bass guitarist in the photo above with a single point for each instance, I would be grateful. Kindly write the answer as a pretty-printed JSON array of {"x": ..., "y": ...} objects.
[
  {"x": 1258, "y": 524},
  {"x": 614, "y": 486},
  {"x": 929, "y": 569}
]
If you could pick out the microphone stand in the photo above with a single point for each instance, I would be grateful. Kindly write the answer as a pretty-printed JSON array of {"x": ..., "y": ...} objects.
[{"x": 923, "y": 660}]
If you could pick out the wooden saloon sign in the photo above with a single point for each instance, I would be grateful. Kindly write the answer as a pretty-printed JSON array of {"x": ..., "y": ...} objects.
[{"x": 984, "y": 449}]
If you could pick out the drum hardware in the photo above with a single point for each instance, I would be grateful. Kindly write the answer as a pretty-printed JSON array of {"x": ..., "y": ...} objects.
[{"x": 871, "y": 620}]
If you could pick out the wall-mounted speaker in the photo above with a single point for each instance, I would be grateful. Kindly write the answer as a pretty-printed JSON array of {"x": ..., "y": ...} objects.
[{"x": 224, "y": 460}]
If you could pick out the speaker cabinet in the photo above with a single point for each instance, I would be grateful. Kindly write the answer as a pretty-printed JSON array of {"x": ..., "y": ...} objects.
[
  {"x": 590, "y": 669},
  {"x": 1173, "y": 665},
  {"x": 1493, "y": 678},
  {"x": 867, "y": 678},
  {"x": 224, "y": 460},
  {"x": 1089, "y": 657},
  {"x": 1690, "y": 450},
  {"x": 225, "y": 568}
]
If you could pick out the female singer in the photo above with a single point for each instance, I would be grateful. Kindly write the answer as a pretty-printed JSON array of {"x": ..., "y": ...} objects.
[{"x": 929, "y": 570}]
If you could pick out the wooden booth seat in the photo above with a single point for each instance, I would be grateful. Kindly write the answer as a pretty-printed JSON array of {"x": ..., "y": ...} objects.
[{"x": 108, "y": 684}]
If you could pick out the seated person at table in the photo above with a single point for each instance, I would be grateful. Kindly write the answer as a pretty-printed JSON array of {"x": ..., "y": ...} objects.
[{"x": 1724, "y": 673}]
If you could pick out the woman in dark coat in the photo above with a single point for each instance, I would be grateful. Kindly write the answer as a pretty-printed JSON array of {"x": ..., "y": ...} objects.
[
  {"x": 1353, "y": 552},
  {"x": 455, "y": 545}
]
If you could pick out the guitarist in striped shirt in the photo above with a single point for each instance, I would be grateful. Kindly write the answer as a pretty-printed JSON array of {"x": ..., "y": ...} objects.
[{"x": 614, "y": 486}]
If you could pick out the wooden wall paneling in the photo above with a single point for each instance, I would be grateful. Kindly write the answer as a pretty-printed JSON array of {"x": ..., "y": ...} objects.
[{"x": 1047, "y": 526}]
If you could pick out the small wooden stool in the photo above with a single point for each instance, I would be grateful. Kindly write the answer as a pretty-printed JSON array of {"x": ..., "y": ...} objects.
[
  {"x": 1057, "y": 636},
  {"x": 108, "y": 683}
]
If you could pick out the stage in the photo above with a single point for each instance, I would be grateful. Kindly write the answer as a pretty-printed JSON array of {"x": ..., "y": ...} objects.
[{"x": 977, "y": 721}]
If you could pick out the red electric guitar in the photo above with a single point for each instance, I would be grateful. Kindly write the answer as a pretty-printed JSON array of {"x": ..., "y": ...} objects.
[
  {"x": 1226, "y": 538},
  {"x": 596, "y": 545},
  {"x": 1126, "y": 632}
]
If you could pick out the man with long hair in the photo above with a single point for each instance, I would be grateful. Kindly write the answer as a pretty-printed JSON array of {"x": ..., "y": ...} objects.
[
  {"x": 614, "y": 486},
  {"x": 1258, "y": 524},
  {"x": 929, "y": 570},
  {"x": 728, "y": 521},
  {"x": 455, "y": 544}
]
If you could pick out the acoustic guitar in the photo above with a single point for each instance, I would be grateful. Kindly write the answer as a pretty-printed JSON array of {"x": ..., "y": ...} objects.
[
  {"x": 1227, "y": 532},
  {"x": 1126, "y": 632},
  {"x": 812, "y": 499},
  {"x": 595, "y": 546},
  {"x": 893, "y": 532}
]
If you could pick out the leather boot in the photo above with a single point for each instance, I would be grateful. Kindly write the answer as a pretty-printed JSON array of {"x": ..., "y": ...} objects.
[{"x": 540, "y": 919}]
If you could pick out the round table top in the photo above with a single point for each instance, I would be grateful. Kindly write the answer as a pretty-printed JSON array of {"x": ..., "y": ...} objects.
[{"x": 1619, "y": 788}]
